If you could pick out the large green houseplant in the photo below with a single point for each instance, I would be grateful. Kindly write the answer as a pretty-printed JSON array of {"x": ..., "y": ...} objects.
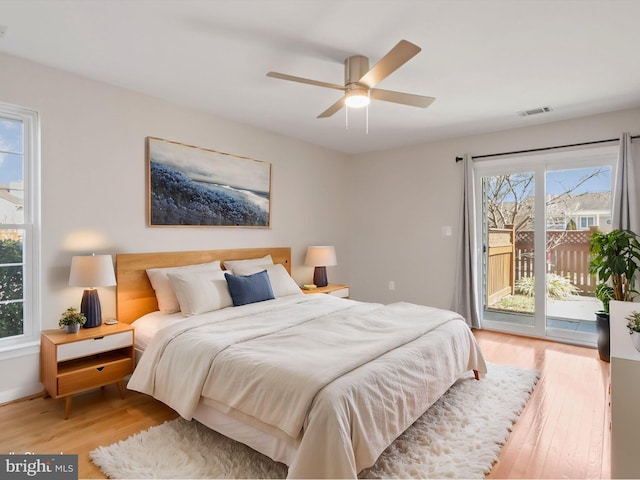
[{"x": 615, "y": 259}]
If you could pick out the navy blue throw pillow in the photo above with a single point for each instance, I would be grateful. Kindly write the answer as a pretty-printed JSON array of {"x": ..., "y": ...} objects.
[{"x": 250, "y": 288}]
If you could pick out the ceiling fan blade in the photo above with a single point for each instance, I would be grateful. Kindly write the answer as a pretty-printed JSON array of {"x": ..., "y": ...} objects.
[
  {"x": 403, "y": 98},
  {"x": 333, "y": 108},
  {"x": 397, "y": 56},
  {"x": 284, "y": 76}
]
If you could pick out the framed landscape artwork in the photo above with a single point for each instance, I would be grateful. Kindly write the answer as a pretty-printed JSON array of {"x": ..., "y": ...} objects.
[{"x": 191, "y": 186}]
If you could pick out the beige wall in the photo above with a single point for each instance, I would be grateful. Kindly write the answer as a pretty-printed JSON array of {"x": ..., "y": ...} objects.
[
  {"x": 93, "y": 186},
  {"x": 399, "y": 201}
]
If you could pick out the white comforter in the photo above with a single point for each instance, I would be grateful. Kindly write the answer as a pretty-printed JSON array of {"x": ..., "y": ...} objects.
[{"x": 325, "y": 374}]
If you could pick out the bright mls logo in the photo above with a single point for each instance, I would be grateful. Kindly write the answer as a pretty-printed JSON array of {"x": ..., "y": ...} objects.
[{"x": 51, "y": 467}]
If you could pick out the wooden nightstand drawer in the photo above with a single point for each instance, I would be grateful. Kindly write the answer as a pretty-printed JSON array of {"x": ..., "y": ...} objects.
[
  {"x": 91, "y": 346},
  {"x": 342, "y": 293},
  {"x": 94, "y": 376}
]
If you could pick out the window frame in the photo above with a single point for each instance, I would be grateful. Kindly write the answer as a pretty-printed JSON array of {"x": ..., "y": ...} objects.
[{"x": 28, "y": 342}]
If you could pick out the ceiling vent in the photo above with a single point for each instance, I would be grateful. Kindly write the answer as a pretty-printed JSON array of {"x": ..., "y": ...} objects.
[{"x": 534, "y": 111}]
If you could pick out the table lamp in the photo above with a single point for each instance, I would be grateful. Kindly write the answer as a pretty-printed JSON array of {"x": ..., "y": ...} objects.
[
  {"x": 91, "y": 271},
  {"x": 320, "y": 257}
]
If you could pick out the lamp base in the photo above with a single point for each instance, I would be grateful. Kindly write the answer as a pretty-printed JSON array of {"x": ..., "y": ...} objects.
[
  {"x": 320, "y": 277},
  {"x": 90, "y": 306}
]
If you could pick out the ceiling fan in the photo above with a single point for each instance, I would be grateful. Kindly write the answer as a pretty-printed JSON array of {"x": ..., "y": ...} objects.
[{"x": 359, "y": 80}]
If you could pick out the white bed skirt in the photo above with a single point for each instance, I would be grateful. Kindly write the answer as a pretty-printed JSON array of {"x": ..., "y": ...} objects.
[{"x": 275, "y": 448}]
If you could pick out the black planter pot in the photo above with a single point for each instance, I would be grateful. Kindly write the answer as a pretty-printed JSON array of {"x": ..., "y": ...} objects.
[{"x": 602, "y": 323}]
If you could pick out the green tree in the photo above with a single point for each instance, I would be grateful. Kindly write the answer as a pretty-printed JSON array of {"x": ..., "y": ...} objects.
[{"x": 11, "y": 288}]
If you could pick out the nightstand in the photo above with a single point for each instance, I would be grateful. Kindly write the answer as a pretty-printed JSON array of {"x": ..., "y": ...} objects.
[
  {"x": 94, "y": 357},
  {"x": 334, "y": 289}
]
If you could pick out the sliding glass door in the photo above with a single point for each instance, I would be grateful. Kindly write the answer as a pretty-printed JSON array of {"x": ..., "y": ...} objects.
[{"x": 534, "y": 217}]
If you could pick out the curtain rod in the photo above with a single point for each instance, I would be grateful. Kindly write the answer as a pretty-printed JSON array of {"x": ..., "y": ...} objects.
[{"x": 459, "y": 159}]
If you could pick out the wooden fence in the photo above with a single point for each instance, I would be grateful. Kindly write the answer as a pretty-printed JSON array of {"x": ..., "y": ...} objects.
[
  {"x": 511, "y": 255},
  {"x": 500, "y": 264}
]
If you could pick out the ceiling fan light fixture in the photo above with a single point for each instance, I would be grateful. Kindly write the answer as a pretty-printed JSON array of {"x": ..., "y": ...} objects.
[
  {"x": 357, "y": 98},
  {"x": 360, "y": 81}
]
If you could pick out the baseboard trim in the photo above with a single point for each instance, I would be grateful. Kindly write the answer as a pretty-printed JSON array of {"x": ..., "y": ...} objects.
[{"x": 19, "y": 394}]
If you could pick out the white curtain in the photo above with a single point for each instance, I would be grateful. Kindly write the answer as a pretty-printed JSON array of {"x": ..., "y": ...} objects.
[
  {"x": 466, "y": 296},
  {"x": 626, "y": 214}
]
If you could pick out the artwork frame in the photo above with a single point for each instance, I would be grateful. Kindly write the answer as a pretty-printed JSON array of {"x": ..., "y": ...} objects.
[{"x": 189, "y": 186}]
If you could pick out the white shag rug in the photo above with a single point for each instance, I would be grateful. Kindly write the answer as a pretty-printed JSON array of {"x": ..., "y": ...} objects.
[{"x": 460, "y": 436}]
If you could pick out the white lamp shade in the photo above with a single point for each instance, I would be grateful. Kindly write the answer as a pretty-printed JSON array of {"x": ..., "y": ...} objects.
[
  {"x": 321, "y": 256},
  {"x": 92, "y": 271}
]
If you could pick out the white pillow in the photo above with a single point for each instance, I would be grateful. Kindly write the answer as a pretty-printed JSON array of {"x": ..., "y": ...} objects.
[
  {"x": 200, "y": 292},
  {"x": 167, "y": 301},
  {"x": 231, "y": 265},
  {"x": 281, "y": 283}
]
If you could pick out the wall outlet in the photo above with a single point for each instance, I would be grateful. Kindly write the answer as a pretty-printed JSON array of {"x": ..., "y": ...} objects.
[
  {"x": 392, "y": 285},
  {"x": 446, "y": 231}
]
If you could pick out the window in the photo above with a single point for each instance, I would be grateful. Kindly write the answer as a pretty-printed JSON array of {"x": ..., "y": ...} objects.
[
  {"x": 586, "y": 222},
  {"x": 533, "y": 217},
  {"x": 19, "y": 228}
]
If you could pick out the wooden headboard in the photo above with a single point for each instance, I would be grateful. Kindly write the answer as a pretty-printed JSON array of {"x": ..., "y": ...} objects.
[{"x": 135, "y": 296}]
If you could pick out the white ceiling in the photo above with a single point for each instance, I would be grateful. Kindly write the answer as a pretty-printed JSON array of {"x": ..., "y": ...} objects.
[{"x": 484, "y": 61}]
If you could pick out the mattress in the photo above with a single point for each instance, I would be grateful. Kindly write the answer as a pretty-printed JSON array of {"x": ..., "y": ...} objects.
[{"x": 148, "y": 325}]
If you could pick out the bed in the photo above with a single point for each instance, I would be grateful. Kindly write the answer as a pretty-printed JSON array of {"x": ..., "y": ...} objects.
[{"x": 322, "y": 384}]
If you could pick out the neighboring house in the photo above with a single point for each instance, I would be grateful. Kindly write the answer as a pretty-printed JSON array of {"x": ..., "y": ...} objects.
[
  {"x": 11, "y": 203},
  {"x": 563, "y": 212},
  {"x": 580, "y": 212}
]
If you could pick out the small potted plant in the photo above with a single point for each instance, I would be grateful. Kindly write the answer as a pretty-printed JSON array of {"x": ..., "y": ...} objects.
[
  {"x": 71, "y": 320},
  {"x": 633, "y": 324}
]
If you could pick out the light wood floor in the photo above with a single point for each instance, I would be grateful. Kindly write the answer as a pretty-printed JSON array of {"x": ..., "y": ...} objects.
[{"x": 562, "y": 432}]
